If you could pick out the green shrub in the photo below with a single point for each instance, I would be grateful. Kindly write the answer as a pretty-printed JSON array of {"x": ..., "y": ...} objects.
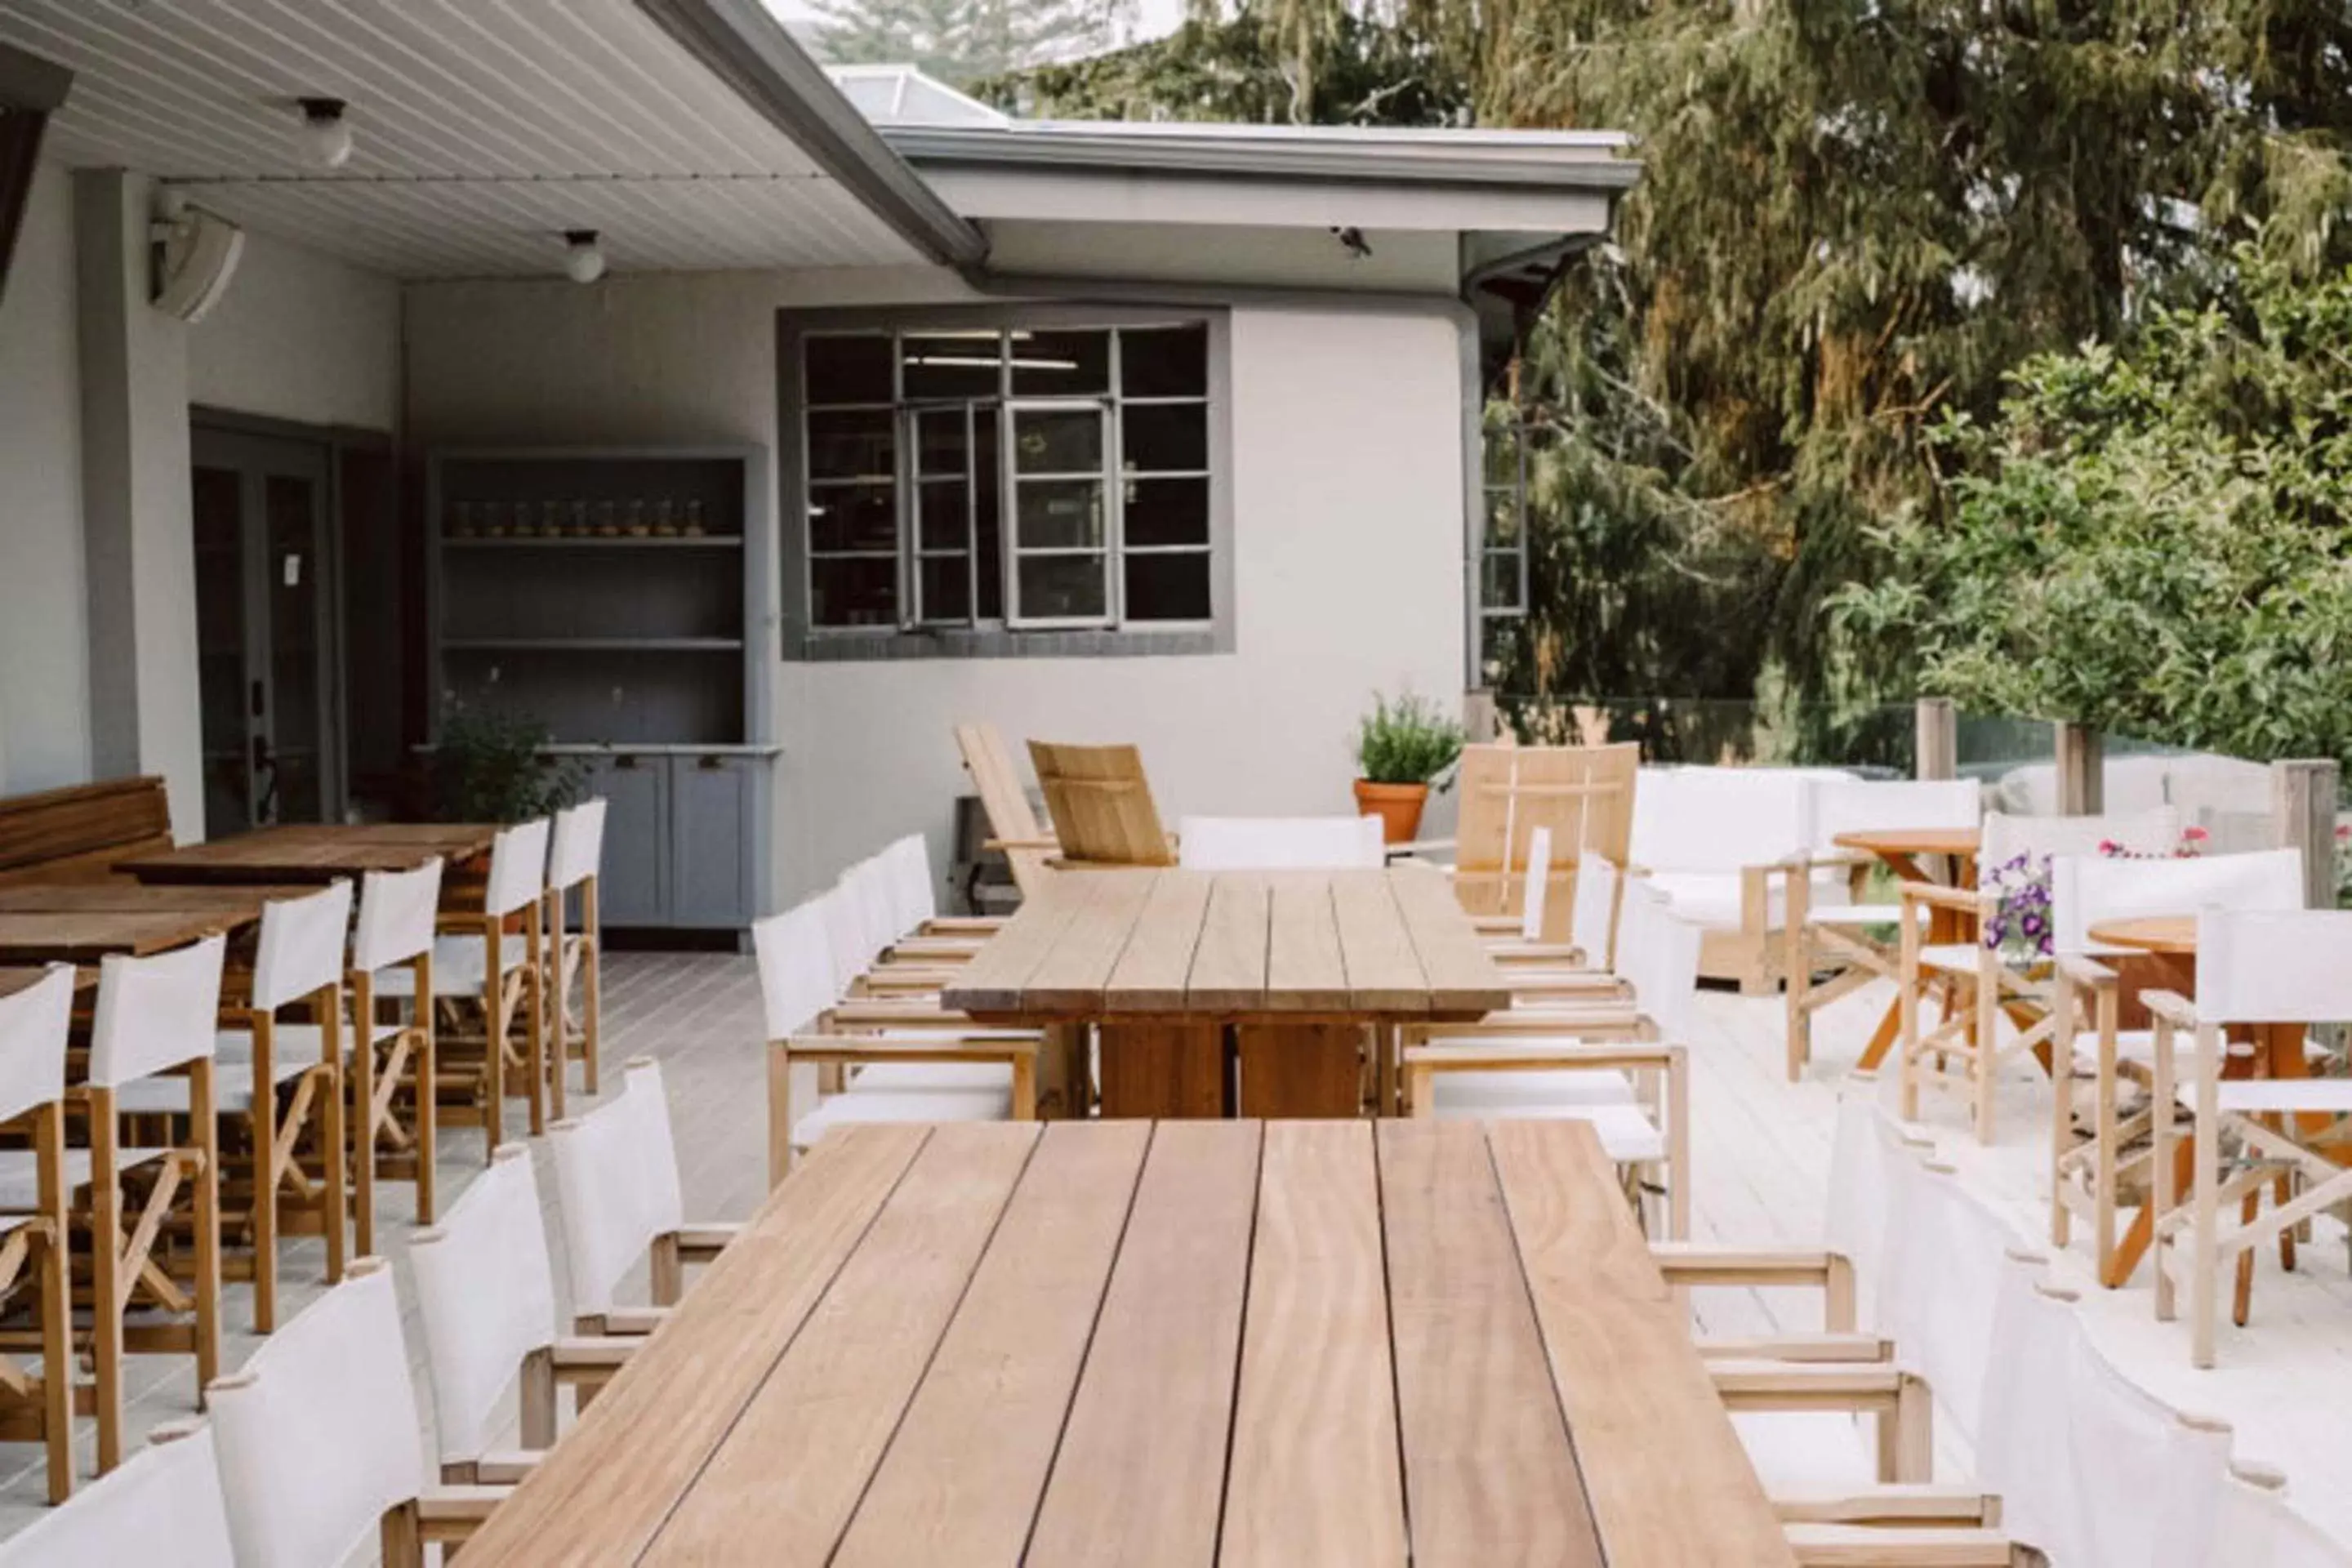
[
  {"x": 491, "y": 768},
  {"x": 1407, "y": 741}
]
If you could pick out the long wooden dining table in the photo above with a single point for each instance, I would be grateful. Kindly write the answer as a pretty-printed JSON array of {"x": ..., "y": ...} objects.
[
  {"x": 1294, "y": 1344},
  {"x": 1309, "y": 969},
  {"x": 310, "y": 853}
]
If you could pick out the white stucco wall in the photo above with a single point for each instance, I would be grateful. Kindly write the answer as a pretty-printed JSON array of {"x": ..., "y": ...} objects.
[
  {"x": 301, "y": 336},
  {"x": 44, "y": 673},
  {"x": 1347, "y": 520}
]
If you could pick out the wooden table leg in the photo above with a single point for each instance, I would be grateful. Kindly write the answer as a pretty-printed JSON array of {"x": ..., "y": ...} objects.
[
  {"x": 1164, "y": 1072},
  {"x": 1302, "y": 1069}
]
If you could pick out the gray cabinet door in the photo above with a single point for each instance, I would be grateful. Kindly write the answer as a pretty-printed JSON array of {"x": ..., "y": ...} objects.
[
  {"x": 714, "y": 839},
  {"x": 635, "y": 885}
]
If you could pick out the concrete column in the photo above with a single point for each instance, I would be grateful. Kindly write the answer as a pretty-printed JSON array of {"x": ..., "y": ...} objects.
[{"x": 137, "y": 533}]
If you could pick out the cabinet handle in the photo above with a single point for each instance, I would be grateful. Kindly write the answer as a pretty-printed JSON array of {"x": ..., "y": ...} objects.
[
  {"x": 629, "y": 762},
  {"x": 712, "y": 765}
]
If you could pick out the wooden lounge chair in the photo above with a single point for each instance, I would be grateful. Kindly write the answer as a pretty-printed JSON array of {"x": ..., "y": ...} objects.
[
  {"x": 1102, "y": 804},
  {"x": 1025, "y": 843},
  {"x": 1584, "y": 795}
]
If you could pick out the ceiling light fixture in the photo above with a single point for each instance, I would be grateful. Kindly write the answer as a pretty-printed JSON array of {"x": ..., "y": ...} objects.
[
  {"x": 326, "y": 134},
  {"x": 583, "y": 255}
]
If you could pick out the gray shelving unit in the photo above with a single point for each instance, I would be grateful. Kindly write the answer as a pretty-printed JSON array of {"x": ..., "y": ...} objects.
[{"x": 623, "y": 596}]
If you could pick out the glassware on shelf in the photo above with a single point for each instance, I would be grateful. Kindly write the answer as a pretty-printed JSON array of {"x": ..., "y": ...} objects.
[
  {"x": 608, "y": 520},
  {"x": 461, "y": 520},
  {"x": 664, "y": 518},
  {"x": 638, "y": 527},
  {"x": 494, "y": 520},
  {"x": 551, "y": 520},
  {"x": 694, "y": 526},
  {"x": 576, "y": 514}
]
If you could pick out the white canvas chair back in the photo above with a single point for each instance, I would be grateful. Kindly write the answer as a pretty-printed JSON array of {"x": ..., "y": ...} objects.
[
  {"x": 301, "y": 946},
  {"x": 2020, "y": 1442},
  {"x": 1717, "y": 819},
  {"x": 577, "y": 848},
  {"x": 2262, "y": 1529},
  {"x": 154, "y": 1012},
  {"x": 2085, "y": 890},
  {"x": 1942, "y": 1286},
  {"x": 162, "y": 1508},
  {"x": 2156, "y": 831},
  {"x": 845, "y": 936},
  {"x": 2274, "y": 966},
  {"x": 1833, "y": 806},
  {"x": 1660, "y": 961},
  {"x": 867, "y": 886},
  {"x": 318, "y": 1434},
  {"x": 796, "y": 968},
  {"x": 1592, "y": 909},
  {"x": 1531, "y": 913},
  {"x": 486, "y": 1294},
  {"x": 34, "y": 1025},
  {"x": 616, "y": 1176},
  {"x": 517, "y": 867},
  {"x": 1867, "y": 1157},
  {"x": 1279, "y": 843},
  {"x": 913, "y": 898},
  {"x": 397, "y": 909}
]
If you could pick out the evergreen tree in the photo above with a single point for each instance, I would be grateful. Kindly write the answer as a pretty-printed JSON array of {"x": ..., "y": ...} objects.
[{"x": 959, "y": 40}]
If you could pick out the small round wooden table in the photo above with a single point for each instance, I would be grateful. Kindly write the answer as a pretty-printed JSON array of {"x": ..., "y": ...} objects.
[
  {"x": 2163, "y": 957},
  {"x": 1903, "y": 850}
]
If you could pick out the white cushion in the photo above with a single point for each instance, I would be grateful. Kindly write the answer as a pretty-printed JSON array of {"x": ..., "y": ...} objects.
[
  {"x": 1585, "y": 1086},
  {"x": 20, "y": 1182},
  {"x": 1859, "y": 914},
  {"x": 899, "y": 1077},
  {"x": 857, "y": 1106},
  {"x": 1712, "y": 899},
  {"x": 1626, "y": 1134},
  {"x": 232, "y": 1088},
  {"x": 1805, "y": 1451}
]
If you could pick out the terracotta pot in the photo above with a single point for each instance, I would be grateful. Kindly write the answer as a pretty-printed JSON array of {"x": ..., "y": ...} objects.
[{"x": 1398, "y": 806}]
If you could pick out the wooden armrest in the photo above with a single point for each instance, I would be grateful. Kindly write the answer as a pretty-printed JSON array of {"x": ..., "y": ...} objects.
[
  {"x": 445, "y": 1507},
  {"x": 1524, "y": 1055},
  {"x": 2172, "y": 1007},
  {"x": 963, "y": 925},
  {"x": 1692, "y": 1263},
  {"x": 462, "y": 922},
  {"x": 1966, "y": 900},
  {"x": 709, "y": 1236},
  {"x": 1565, "y": 953},
  {"x": 1419, "y": 844},
  {"x": 1866, "y": 1546},
  {"x": 878, "y": 1014},
  {"x": 1802, "y": 1386},
  {"x": 1049, "y": 845},
  {"x": 2087, "y": 973},
  {"x": 638, "y": 1320},
  {"x": 593, "y": 1352},
  {"x": 987, "y": 1047},
  {"x": 1950, "y": 1507},
  {"x": 1847, "y": 1347},
  {"x": 1498, "y": 925},
  {"x": 506, "y": 1467}
]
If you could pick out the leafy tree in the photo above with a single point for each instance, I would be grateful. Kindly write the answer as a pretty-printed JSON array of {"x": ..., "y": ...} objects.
[
  {"x": 1855, "y": 216},
  {"x": 959, "y": 40},
  {"x": 2156, "y": 540}
]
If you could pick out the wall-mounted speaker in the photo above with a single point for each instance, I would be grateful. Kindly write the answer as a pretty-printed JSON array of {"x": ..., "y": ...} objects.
[{"x": 195, "y": 257}]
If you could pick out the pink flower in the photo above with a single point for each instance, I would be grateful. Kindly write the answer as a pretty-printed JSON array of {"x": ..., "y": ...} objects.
[{"x": 2195, "y": 835}]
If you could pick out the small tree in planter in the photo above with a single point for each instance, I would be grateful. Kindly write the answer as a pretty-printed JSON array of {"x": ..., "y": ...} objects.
[
  {"x": 1404, "y": 749},
  {"x": 493, "y": 767}
]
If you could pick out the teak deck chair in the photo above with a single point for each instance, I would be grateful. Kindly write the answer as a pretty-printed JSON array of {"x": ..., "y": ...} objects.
[
  {"x": 1584, "y": 794},
  {"x": 1011, "y": 819},
  {"x": 1102, "y": 804}
]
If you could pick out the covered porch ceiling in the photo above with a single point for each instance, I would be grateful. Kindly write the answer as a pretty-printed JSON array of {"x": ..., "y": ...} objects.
[{"x": 691, "y": 134}]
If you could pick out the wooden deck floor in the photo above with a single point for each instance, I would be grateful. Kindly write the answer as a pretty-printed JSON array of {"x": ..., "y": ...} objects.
[{"x": 1762, "y": 1153}]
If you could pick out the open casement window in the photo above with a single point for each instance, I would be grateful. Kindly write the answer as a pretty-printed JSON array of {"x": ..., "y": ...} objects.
[{"x": 1043, "y": 478}]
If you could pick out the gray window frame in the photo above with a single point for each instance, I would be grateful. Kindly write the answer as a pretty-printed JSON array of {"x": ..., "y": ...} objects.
[{"x": 805, "y": 641}]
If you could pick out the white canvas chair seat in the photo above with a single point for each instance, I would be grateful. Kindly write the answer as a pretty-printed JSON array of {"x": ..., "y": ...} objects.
[
  {"x": 855, "y": 1106},
  {"x": 1808, "y": 1452},
  {"x": 232, "y": 1090},
  {"x": 303, "y": 1042},
  {"x": 1712, "y": 899},
  {"x": 1599, "y": 1087},
  {"x": 1627, "y": 1134},
  {"x": 20, "y": 1184},
  {"x": 1847, "y": 915},
  {"x": 2265, "y": 1096},
  {"x": 905, "y": 1078},
  {"x": 460, "y": 967}
]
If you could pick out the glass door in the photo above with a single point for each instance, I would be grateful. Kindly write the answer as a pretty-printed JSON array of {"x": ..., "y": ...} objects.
[{"x": 265, "y": 631}]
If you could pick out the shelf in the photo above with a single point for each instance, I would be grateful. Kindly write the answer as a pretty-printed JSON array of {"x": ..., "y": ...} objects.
[
  {"x": 702, "y": 541},
  {"x": 593, "y": 644}
]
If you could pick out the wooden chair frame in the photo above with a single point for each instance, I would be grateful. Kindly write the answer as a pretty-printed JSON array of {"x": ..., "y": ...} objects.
[
  {"x": 578, "y": 958},
  {"x": 1017, "y": 1051},
  {"x": 1970, "y": 1034},
  {"x": 1025, "y": 843},
  {"x": 1853, "y": 958},
  {"x": 2090, "y": 1174},
  {"x": 38, "y": 1407},
  {"x": 316, "y": 1096},
  {"x": 1899, "y": 1401},
  {"x": 1100, "y": 805},
  {"x": 1584, "y": 795},
  {"x": 509, "y": 993},
  {"x": 410, "y": 1056},
  {"x": 2191, "y": 1241},
  {"x": 1655, "y": 1067}
]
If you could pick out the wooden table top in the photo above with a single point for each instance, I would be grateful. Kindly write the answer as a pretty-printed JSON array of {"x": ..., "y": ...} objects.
[
  {"x": 1286, "y": 945},
  {"x": 1287, "y": 1343},
  {"x": 312, "y": 852},
  {"x": 2175, "y": 935},
  {"x": 1913, "y": 841},
  {"x": 241, "y": 905},
  {"x": 63, "y": 937},
  {"x": 13, "y": 981}
]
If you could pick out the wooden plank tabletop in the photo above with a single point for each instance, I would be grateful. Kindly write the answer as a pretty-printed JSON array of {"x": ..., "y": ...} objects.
[
  {"x": 13, "y": 981},
  {"x": 55, "y": 937},
  {"x": 312, "y": 852},
  {"x": 1276, "y": 946},
  {"x": 241, "y": 905},
  {"x": 1302, "y": 1343}
]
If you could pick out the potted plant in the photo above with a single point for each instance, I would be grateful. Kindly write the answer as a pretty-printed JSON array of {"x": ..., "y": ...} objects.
[
  {"x": 491, "y": 766},
  {"x": 1404, "y": 749}
]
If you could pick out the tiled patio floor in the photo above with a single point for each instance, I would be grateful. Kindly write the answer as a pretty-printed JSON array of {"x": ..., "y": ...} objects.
[{"x": 1762, "y": 1153}]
